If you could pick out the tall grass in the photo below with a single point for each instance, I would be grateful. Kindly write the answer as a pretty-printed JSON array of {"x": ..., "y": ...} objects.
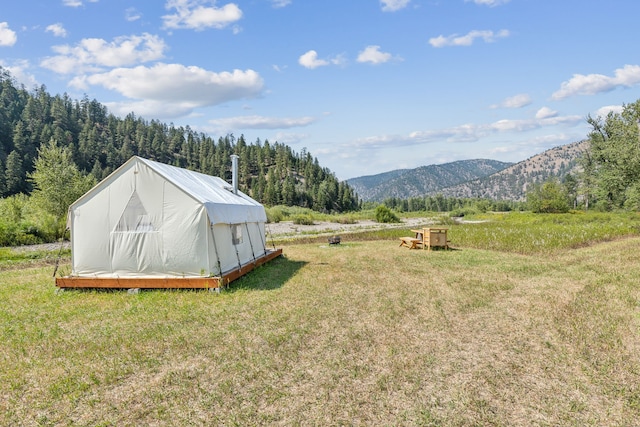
[{"x": 535, "y": 233}]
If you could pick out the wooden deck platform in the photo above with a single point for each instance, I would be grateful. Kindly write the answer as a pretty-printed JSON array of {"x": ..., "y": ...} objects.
[{"x": 165, "y": 282}]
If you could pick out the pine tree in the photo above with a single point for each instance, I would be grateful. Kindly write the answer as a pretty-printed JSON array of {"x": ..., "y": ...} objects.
[{"x": 15, "y": 181}]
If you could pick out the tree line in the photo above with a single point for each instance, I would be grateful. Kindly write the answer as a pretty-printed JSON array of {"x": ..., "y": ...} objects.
[
  {"x": 99, "y": 142},
  {"x": 441, "y": 203}
]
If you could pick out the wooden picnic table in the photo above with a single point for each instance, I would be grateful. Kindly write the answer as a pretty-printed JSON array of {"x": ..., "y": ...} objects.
[
  {"x": 427, "y": 238},
  {"x": 410, "y": 242}
]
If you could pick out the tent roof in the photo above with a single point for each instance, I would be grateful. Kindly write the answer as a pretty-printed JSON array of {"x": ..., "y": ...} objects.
[{"x": 223, "y": 206}]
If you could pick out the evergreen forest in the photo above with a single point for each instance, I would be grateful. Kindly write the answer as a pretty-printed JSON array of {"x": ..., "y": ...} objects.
[{"x": 100, "y": 142}]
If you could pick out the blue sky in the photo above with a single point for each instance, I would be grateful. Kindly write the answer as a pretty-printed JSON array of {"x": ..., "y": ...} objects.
[{"x": 366, "y": 86}]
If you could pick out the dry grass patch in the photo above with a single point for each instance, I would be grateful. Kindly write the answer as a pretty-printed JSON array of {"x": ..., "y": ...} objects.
[{"x": 363, "y": 333}]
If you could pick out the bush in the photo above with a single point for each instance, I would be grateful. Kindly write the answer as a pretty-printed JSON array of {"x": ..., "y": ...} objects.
[
  {"x": 345, "y": 220},
  {"x": 12, "y": 208},
  {"x": 274, "y": 215},
  {"x": 23, "y": 233},
  {"x": 303, "y": 220},
  {"x": 445, "y": 220},
  {"x": 386, "y": 215},
  {"x": 548, "y": 197},
  {"x": 461, "y": 212}
]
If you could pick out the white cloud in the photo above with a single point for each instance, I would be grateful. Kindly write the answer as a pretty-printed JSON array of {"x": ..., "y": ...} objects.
[
  {"x": 373, "y": 55},
  {"x": 490, "y": 3},
  {"x": 290, "y": 138},
  {"x": 280, "y": 3},
  {"x": 537, "y": 144},
  {"x": 150, "y": 109},
  {"x": 131, "y": 14},
  {"x": 516, "y": 101},
  {"x": 261, "y": 122},
  {"x": 338, "y": 60},
  {"x": 604, "y": 111},
  {"x": 57, "y": 29},
  {"x": 591, "y": 84},
  {"x": 175, "y": 87},
  {"x": 94, "y": 54},
  {"x": 393, "y": 5},
  {"x": 546, "y": 113},
  {"x": 468, "y": 39},
  {"x": 310, "y": 60},
  {"x": 76, "y": 3},
  {"x": 19, "y": 72},
  {"x": 468, "y": 132},
  {"x": 8, "y": 37},
  {"x": 200, "y": 14}
]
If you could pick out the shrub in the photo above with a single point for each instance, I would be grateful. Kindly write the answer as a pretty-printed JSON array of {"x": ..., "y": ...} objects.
[
  {"x": 445, "y": 220},
  {"x": 548, "y": 197},
  {"x": 303, "y": 220},
  {"x": 275, "y": 214},
  {"x": 461, "y": 212},
  {"x": 12, "y": 208},
  {"x": 23, "y": 233},
  {"x": 345, "y": 220},
  {"x": 386, "y": 215}
]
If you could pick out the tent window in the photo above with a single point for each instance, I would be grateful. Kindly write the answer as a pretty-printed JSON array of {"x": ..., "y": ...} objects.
[
  {"x": 135, "y": 218},
  {"x": 236, "y": 234}
]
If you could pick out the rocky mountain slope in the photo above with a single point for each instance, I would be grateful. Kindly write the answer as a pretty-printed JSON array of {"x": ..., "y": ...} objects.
[
  {"x": 472, "y": 178},
  {"x": 512, "y": 182},
  {"x": 405, "y": 183}
]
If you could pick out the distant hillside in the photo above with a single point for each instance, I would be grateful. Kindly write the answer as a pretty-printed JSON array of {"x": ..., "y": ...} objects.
[
  {"x": 489, "y": 179},
  {"x": 512, "y": 183},
  {"x": 423, "y": 180}
]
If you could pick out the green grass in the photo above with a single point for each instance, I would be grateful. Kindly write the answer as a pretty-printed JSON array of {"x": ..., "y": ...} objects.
[
  {"x": 540, "y": 233},
  {"x": 362, "y": 333}
]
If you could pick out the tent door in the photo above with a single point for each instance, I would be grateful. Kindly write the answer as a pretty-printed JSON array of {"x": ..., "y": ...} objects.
[{"x": 135, "y": 243}]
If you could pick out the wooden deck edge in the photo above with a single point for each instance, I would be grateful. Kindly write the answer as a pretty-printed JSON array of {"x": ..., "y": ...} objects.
[{"x": 165, "y": 282}]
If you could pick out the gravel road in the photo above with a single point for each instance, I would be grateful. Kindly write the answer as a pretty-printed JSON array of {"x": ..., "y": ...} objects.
[{"x": 289, "y": 229}]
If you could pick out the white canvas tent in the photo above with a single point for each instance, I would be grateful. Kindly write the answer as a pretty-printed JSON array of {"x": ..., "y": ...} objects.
[{"x": 151, "y": 220}]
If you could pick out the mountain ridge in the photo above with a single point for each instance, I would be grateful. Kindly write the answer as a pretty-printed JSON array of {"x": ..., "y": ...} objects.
[{"x": 476, "y": 178}]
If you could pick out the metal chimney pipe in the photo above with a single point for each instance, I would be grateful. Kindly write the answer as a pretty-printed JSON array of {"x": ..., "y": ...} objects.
[{"x": 234, "y": 173}]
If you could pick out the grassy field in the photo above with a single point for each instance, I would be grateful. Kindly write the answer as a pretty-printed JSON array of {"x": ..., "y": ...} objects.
[{"x": 518, "y": 331}]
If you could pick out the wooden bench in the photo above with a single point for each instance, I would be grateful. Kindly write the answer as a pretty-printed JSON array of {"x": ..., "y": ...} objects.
[{"x": 410, "y": 242}]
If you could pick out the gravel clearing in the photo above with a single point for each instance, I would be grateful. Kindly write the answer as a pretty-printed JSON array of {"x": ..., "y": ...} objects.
[
  {"x": 320, "y": 228},
  {"x": 43, "y": 247}
]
